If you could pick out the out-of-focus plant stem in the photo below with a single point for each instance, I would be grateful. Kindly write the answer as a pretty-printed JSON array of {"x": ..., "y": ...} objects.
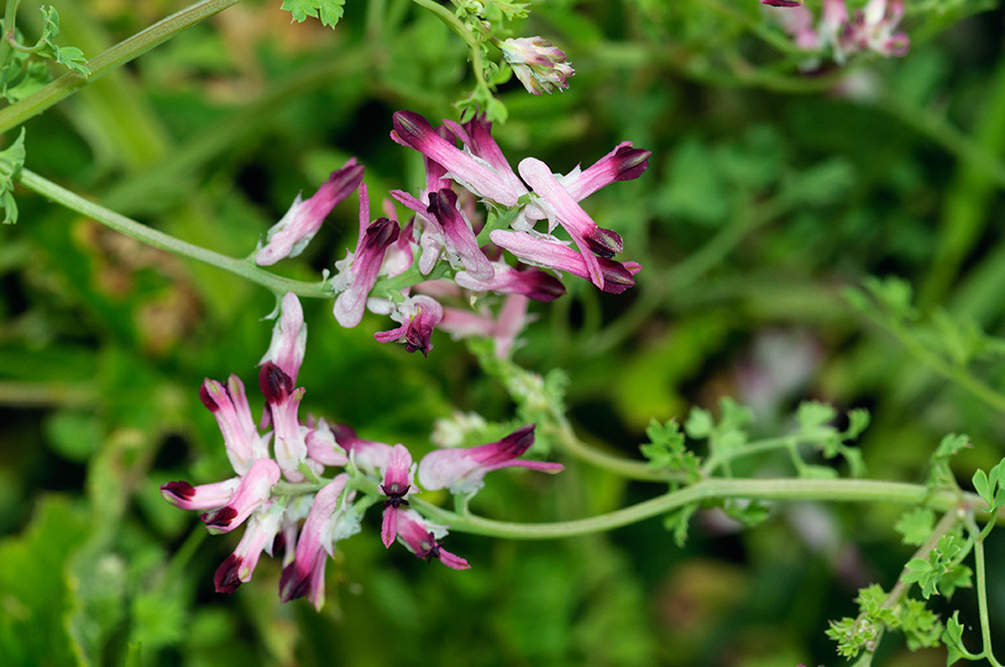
[{"x": 114, "y": 57}]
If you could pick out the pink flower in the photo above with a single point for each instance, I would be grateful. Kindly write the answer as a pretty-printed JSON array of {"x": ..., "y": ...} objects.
[
  {"x": 411, "y": 129},
  {"x": 202, "y": 497},
  {"x": 358, "y": 271},
  {"x": 537, "y": 285},
  {"x": 418, "y": 315},
  {"x": 330, "y": 519},
  {"x": 254, "y": 489},
  {"x": 540, "y": 66},
  {"x": 230, "y": 407},
  {"x": 368, "y": 455},
  {"x": 397, "y": 484},
  {"x": 259, "y": 536},
  {"x": 422, "y": 539},
  {"x": 322, "y": 447},
  {"x": 283, "y": 402},
  {"x": 290, "y": 236},
  {"x": 461, "y": 471},
  {"x": 289, "y": 338},
  {"x": 458, "y": 237},
  {"x": 617, "y": 276}
]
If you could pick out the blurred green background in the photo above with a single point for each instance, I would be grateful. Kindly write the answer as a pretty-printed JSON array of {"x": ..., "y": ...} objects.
[{"x": 769, "y": 191}]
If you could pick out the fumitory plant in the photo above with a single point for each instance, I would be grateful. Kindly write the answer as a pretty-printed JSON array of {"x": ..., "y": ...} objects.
[{"x": 708, "y": 297}]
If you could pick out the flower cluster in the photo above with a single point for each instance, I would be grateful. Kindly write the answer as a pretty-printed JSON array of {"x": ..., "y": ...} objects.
[
  {"x": 451, "y": 252},
  {"x": 846, "y": 33},
  {"x": 539, "y": 64},
  {"x": 280, "y": 490}
]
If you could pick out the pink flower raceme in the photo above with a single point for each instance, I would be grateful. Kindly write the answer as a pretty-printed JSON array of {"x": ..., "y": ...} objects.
[
  {"x": 422, "y": 539},
  {"x": 290, "y": 236},
  {"x": 845, "y": 34},
  {"x": 461, "y": 471},
  {"x": 540, "y": 66}
]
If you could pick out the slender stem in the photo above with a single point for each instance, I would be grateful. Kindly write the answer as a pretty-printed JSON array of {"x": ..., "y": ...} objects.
[
  {"x": 834, "y": 490},
  {"x": 458, "y": 27},
  {"x": 613, "y": 463},
  {"x": 120, "y": 223},
  {"x": 9, "y": 19},
  {"x": 103, "y": 63}
]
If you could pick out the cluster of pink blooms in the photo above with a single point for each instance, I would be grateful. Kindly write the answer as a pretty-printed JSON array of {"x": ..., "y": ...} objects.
[
  {"x": 845, "y": 33},
  {"x": 539, "y": 64},
  {"x": 267, "y": 493},
  {"x": 443, "y": 235}
]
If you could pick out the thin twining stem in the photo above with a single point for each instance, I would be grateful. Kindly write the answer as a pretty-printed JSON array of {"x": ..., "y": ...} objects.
[
  {"x": 833, "y": 490},
  {"x": 109, "y": 60},
  {"x": 158, "y": 239}
]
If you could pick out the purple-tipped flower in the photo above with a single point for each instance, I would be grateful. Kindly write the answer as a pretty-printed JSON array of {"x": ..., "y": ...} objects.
[
  {"x": 254, "y": 490},
  {"x": 561, "y": 208},
  {"x": 418, "y": 316},
  {"x": 358, "y": 271},
  {"x": 539, "y": 64},
  {"x": 230, "y": 407},
  {"x": 202, "y": 497},
  {"x": 290, "y": 236},
  {"x": 617, "y": 276},
  {"x": 532, "y": 283},
  {"x": 461, "y": 471},
  {"x": 283, "y": 401},
  {"x": 330, "y": 519},
  {"x": 259, "y": 536},
  {"x": 477, "y": 137},
  {"x": 422, "y": 539},
  {"x": 397, "y": 485},
  {"x": 459, "y": 238},
  {"x": 782, "y": 3},
  {"x": 411, "y": 129},
  {"x": 289, "y": 338}
]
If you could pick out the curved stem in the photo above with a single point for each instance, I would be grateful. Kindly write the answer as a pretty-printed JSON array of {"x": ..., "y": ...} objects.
[
  {"x": 120, "y": 223},
  {"x": 835, "y": 490},
  {"x": 9, "y": 19},
  {"x": 462, "y": 31},
  {"x": 105, "y": 62}
]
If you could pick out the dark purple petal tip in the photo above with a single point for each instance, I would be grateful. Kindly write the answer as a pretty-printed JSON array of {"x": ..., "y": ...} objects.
[
  {"x": 220, "y": 518},
  {"x": 293, "y": 584},
  {"x": 411, "y": 127},
  {"x": 226, "y": 578},
  {"x": 180, "y": 490},
  {"x": 604, "y": 242},
  {"x": 275, "y": 384},
  {"x": 381, "y": 233},
  {"x": 631, "y": 162},
  {"x": 207, "y": 397}
]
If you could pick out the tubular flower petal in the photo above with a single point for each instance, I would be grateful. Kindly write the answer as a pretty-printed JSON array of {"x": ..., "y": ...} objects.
[
  {"x": 202, "y": 497},
  {"x": 322, "y": 447},
  {"x": 459, "y": 238},
  {"x": 618, "y": 276},
  {"x": 284, "y": 404},
  {"x": 397, "y": 485},
  {"x": 421, "y": 538},
  {"x": 230, "y": 408},
  {"x": 411, "y": 129},
  {"x": 331, "y": 518},
  {"x": 461, "y": 471},
  {"x": 539, "y": 64},
  {"x": 358, "y": 271},
  {"x": 290, "y": 236},
  {"x": 259, "y": 536},
  {"x": 254, "y": 490},
  {"x": 368, "y": 455},
  {"x": 289, "y": 338}
]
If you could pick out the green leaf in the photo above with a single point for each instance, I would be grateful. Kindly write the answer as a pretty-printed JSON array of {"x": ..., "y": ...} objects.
[
  {"x": 699, "y": 423},
  {"x": 915, "y": 526},
  {"x": 813, "y": 414},
  {"x": 666, "y": 450},
  {"x": 328, "y": 11},
  {"x": 981, "y": 486},
  {"x": 11, "y": 163},
  {"x": 677, "y": 521},
  {"x": 858, "y": 421}
]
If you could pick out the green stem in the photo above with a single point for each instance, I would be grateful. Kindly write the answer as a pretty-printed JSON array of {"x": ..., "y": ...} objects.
[
  {"x": 120, "y": 223},
  {"x": 834, "y": 490},
  {"x": 9, "y": 20},
  {"x": 618, "y": 465},
  {"x": 982, "y": 590},
  {"x": 462, "y": 31},
  {"x": 104, "y": 63}
]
